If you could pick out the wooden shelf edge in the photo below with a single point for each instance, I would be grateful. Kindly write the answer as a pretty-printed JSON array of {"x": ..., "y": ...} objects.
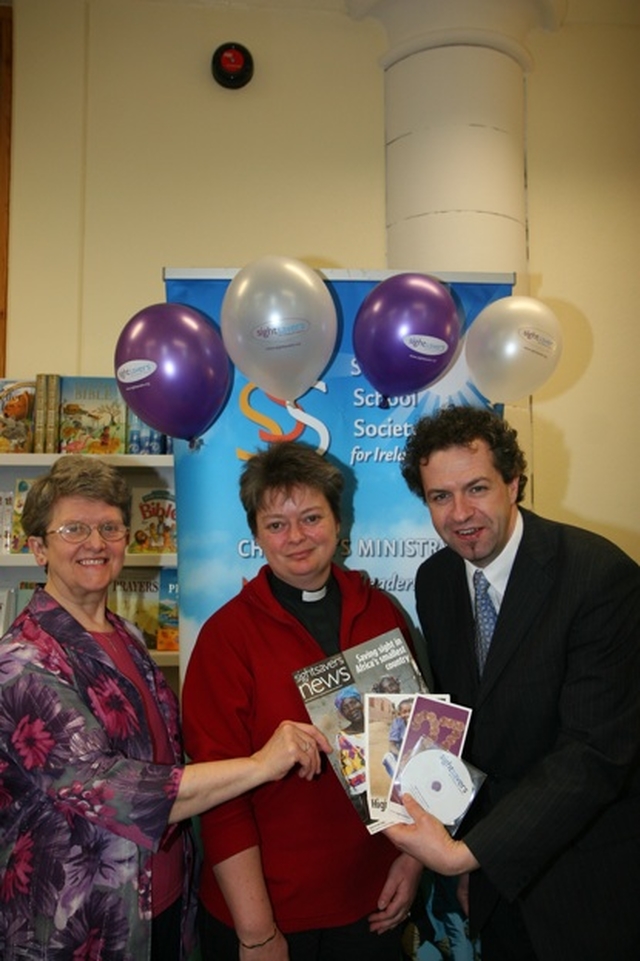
[
  {"x": 118, "y": 460},
  {"x": 166, "y": 658},
  {"x": 130, "y": 560}
]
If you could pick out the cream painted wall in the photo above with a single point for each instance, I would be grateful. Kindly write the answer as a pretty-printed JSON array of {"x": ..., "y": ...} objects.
[
  {"x": 584, "y": 216},
  {"x": 128, "y": 158}
]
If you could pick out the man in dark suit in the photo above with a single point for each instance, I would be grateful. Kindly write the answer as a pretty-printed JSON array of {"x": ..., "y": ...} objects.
[{"x": 549, "y": 853}]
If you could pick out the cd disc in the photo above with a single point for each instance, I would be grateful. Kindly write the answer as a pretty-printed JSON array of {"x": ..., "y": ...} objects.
[{"x": 440, "y": 782}]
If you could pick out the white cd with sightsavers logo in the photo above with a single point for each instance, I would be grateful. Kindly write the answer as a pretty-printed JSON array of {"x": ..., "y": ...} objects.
[{"x": 440, "y": 783}]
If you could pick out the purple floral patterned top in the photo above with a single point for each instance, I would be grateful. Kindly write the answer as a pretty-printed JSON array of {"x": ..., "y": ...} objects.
[{"x": 82, "y": 805}]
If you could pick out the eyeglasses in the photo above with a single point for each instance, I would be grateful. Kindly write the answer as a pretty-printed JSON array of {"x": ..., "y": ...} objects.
[{"x": 76, "y": 531}]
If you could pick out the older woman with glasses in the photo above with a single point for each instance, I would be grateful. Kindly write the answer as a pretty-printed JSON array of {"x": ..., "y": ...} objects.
[{"x": 96, "y": 859}]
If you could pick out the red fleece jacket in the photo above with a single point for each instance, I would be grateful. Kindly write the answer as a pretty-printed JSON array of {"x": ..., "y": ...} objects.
[{"x": 322, "y": 867}]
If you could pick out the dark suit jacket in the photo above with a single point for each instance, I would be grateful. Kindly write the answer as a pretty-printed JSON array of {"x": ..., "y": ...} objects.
[{"x": 556, "y": 728}]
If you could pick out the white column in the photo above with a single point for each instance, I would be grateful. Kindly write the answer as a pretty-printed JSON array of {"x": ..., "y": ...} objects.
[{"x": 455, "y": 130}]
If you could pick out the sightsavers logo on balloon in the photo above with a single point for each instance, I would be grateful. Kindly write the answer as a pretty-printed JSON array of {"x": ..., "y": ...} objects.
[
  {"x": 537, "y": 341},
  {"x": 281, "y": 331},
  {"x": 425, "y": 344},
  {"x": 134, "y": 370}
]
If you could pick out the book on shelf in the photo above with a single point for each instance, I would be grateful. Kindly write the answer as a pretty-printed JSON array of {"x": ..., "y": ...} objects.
[
  {"x": 17, "y": 416},
  {"x": 24, "y": 593},
  {"x": 47, "y": 414},
  {"x": 148, "y": 598},
  {"x": 142, "y": 439},
  {"x": 135, "y": 595},
  {"x": 6, "y": 520},
  {"x": 153, "y": 528},
  {"x": 73, "y": 414},
  {"x": 40, "y": 414},
  {"x": 333, "y": 691},
  {"x": 7, "y": 608},
  {"x": 52, "y": 418},
  {"x": 93, "y": 416},
  {"x": 18, "y": 537},
  {"x": 167, "y": 635}
]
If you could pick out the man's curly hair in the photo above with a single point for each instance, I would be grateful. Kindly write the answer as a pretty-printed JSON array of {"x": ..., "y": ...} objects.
[{"x": 460, "y": 427}]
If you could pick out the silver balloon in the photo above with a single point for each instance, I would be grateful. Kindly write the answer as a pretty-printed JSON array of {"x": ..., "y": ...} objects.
[
  {"x": 279, "y": 325},
  {"x": 512, "y": 347}
]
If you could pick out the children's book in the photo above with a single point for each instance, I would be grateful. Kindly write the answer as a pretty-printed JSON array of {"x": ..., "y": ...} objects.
[
  {"x": 135, "y": 595},
  {"x": 17, "y": 416},
  {"x": 6, "y": 520},
  {"x": 142, "y": 439},
  {"x": 167, "y": 635},
  {"x": 333, "y": 692},
  {"x": 153, "y": 521},
  {"x": 18, "y": 537},
  {"x": 93, "y": 416}
]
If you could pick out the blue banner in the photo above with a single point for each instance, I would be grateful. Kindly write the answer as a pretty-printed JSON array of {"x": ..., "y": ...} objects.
[{"x": 386, "y": 530}]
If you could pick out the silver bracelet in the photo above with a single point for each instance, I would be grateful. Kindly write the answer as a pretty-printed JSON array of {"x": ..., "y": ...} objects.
[{"x": 260, "y": 944}]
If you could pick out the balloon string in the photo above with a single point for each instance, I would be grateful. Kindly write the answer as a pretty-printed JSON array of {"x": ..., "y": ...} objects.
[{"x": 195, "y": 443}]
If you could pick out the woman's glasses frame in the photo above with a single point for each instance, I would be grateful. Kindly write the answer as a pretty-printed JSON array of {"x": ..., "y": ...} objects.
[{"x": 77, "y": 532}]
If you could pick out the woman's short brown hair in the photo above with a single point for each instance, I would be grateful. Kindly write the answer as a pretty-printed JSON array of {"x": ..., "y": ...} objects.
[
  {"x": 283, "y": 466},
  {"x": 74, "y": 475}
]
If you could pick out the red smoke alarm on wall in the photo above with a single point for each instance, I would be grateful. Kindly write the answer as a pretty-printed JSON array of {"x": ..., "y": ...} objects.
[{"x": 232, "y": 65}]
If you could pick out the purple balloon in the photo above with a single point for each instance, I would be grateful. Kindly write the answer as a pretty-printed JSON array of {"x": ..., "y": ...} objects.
[
  {"x": 172, "y": 369},
  {"x": 406, "y": 333}
]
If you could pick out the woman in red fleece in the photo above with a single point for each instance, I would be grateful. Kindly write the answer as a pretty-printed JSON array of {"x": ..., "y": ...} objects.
[{"x": 290, "y": 873}]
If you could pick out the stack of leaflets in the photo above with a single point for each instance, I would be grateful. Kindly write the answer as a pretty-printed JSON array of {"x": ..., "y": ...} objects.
[
  {"x": 333, "y": 691},
  {"x": 372, "y": 704},
  {"x": 430, "y": 766}
]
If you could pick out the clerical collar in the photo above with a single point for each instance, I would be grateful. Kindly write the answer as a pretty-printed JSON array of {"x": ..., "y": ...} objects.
[
  {"x": 292, "y": 594},
  {"x": 315, "y": 595}
]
